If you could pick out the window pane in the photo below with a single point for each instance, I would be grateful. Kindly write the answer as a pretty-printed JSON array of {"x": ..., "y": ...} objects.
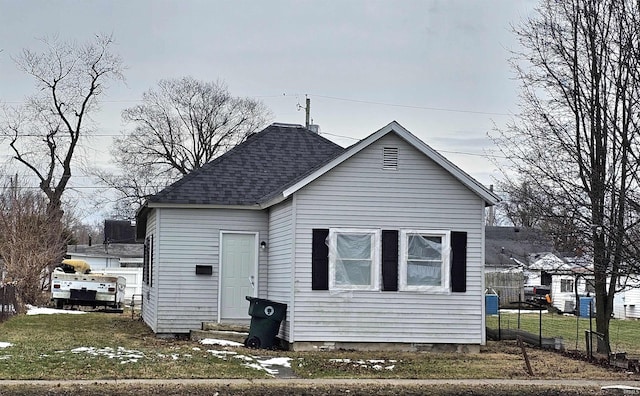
[
  {"x": 566, "y": 285},
  {"x": 353, "y": 272},
  {"x": 353, "y": 259},
  {"x": 424, "y": 273},
  {"x": 425, "y": 247},
  {"x": 354, "y": 246},
  {"x": 424, "y": 260}
]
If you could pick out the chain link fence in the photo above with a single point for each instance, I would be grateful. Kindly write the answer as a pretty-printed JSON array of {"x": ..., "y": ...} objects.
[{"x": 568, "y": 332}]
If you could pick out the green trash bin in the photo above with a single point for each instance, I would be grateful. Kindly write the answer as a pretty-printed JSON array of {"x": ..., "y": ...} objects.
[{"x": 266, "y": 316}]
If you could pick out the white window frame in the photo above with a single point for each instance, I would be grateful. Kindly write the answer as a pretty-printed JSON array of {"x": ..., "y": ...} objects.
[
  {"x": 375, "y": 258},
  {"x": 445, "y": 269},
  {"x": 564, "y": 282}
]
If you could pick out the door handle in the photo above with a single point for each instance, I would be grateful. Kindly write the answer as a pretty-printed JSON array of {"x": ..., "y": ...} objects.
[{"x": 251, "y": 281}]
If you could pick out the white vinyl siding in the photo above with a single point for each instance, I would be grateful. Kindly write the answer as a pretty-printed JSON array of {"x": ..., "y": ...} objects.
[
  {"x": 150, "y": 294},
  {"x": 419, "y": 195},
  {"x": 279, "y": 250},
  {"x": 190, "y": 237}
]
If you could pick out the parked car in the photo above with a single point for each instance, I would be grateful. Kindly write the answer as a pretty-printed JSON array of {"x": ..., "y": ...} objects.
[{"x": 538, "y": 294}]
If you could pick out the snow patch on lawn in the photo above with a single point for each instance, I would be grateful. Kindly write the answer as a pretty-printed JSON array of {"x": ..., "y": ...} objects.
[
  {"x": 271, "y": 365},
  {"x": 5, "y": 345},
  {"x": 213, "y": 341},
  {"x": 122, "y": 354},
  {"x": 373, "y": 364},
  {"x": 31, "y": 310},
  {"x": 222, "y": 354}
]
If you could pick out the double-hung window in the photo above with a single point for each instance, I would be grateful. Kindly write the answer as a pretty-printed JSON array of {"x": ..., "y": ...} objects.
[
  {"x": 354, "y": 259},
  {"x": 566, "y": 285},
  {"x": 424, "y": 260}
]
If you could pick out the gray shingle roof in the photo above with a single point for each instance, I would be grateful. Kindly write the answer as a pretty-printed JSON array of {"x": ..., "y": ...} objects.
[
  {"x": 503, "y": 245},
  {"x": 255, "y": 170},
  {"x": 122, "y": 250}
]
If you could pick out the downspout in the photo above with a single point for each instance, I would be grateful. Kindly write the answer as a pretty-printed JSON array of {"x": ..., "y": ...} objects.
[
  {"x": 292, "y": 297},
  {"x": 483, "y": 329}
]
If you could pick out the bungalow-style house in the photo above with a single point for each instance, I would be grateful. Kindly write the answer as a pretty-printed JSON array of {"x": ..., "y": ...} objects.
[{"x": 381, "y": 242}]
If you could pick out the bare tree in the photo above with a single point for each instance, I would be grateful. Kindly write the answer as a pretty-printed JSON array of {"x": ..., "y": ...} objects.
[
  {"x": 28, "y": 240},
  {"x": 79, "y": 232},
  {"x": 528, "y": 204},
  {"x": 524, "y": 205},
  {"x": 43, "y": 134},
  {"x": 179, "y": 126},
  {"x": 576, "y": 136}
]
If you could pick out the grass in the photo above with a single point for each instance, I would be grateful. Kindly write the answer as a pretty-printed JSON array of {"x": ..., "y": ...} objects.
[
  {"x": 623, "y": 333},
  {"x": 115, "y": 346},
  {"x": 103, "y": 346}
]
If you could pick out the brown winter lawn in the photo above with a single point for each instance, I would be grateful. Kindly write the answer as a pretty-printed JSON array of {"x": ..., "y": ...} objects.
[{"x": 101, "y": 346}]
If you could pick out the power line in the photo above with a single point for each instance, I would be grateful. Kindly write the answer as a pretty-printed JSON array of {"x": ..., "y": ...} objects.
[
  {"x": 284, "y": 95},
  {"x": 473, "y": 154},
  {"x": 340, "y": 136},
  {"x": 440, "y": 151},
  {"x": 412, "y": 106}
]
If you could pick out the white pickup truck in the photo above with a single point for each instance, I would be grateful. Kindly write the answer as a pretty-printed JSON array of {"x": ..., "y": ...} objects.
[{"x": 73, "y": 283}]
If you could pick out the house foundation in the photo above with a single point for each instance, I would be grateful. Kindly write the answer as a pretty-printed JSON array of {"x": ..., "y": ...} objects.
[{"x": 306, "y": 346}]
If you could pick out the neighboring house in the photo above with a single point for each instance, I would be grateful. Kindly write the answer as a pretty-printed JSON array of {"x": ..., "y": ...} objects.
[
  {"x": 107, "y": 256},
  {"x": 573, "y": 275},
  {"x": 513, "y": 259},
  {"x": 381, "y": 242},
  {"x": 510, "y": 247},
  {"x": 119, "y": 248},
  {"x": 516, "y": 257},
  {"x": 626, "y": 304}
]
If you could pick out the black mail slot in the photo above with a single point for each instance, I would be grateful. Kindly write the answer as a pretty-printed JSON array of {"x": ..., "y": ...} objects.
[{"x": 204, "y": 269}]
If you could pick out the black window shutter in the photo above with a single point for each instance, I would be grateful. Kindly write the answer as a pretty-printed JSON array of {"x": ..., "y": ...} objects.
[
  {"x": 145, "y": 260},
  {"x": 389, "y": 260},
  {"x": 458, "y": 262},
  {"x": 151, "y": 260},
  {"x": 320, "y": 260}
]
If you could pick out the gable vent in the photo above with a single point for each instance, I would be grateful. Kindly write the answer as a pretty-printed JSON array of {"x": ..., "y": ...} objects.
[{"x": 390, "y": 158}]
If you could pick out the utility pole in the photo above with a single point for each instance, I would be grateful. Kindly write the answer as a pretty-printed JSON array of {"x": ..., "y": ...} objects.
[
  {"x": 491, "y": 218},
  {"x": 308, "y": 113}
]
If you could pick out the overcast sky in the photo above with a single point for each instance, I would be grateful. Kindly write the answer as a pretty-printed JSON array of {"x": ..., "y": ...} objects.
[{"x": 439, "y": 68}]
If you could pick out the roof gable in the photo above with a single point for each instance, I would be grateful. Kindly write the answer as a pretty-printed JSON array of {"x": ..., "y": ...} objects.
[
  {"x": 253, "y": 171},
  {"x": 394, "y": 127}
]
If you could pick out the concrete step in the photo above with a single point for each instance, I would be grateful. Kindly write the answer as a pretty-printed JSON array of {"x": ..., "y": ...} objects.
[
  {"x": 221, "y": 331},
  {"x": 197, "y": 335},
  {"x": 225, "y": 327}
]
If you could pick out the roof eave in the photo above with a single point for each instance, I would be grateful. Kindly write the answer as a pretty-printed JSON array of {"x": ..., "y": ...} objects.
[
  {"x": 273, "y": 201},
  {"x": 159, "y": 205}
]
